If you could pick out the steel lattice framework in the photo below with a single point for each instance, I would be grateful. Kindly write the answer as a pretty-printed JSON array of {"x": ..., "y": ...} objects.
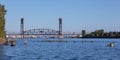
[{"x": 41, "y": 32}]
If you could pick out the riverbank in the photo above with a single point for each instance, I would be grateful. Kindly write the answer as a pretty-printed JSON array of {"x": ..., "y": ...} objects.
[{"x": 3, "y": 40}]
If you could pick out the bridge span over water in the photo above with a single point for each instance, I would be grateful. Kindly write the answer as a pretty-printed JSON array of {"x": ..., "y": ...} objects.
[{"x": 42, "y": 33}]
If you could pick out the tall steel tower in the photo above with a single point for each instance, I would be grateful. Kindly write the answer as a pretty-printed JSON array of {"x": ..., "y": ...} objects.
[
  {"x": 60, "y": 26},
  {"x": 22, "y": 26}
]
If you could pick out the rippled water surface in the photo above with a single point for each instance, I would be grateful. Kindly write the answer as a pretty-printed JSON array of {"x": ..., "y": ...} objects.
[{"x": 71, "y": 49}]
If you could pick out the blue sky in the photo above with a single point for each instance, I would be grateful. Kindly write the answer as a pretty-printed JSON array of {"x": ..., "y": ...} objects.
[{"x": 76, "y": 14}]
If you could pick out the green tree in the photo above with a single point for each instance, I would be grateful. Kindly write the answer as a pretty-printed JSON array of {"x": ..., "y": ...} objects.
[{"x": 2, "y": 21}]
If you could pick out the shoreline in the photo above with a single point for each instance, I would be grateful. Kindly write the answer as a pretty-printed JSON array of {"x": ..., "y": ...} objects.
[
  {"x": 3, "y": 41},
  {"x": 101, "y": 37}
]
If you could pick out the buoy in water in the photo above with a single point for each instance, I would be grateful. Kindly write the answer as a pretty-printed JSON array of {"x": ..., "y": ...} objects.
[
  {"x": 111, "y": 45},
  {"x": 91, "y": 41},
  {"x": 13, "y": 43},
  {"x": 25, "y": 42}
]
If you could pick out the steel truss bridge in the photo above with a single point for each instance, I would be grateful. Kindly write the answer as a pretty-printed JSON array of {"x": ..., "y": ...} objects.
[{"x": 42, "y": 33}]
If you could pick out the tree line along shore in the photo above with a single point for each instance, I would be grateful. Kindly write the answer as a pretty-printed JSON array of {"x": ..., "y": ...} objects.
[{"x": 100, "y": 34}]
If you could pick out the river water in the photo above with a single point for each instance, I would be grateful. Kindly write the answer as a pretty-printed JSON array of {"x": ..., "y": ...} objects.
[{"x": 72, "y": 49}]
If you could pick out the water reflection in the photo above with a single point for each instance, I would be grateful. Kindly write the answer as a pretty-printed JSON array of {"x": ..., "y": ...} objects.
[{"x": 2, "y": 55}]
